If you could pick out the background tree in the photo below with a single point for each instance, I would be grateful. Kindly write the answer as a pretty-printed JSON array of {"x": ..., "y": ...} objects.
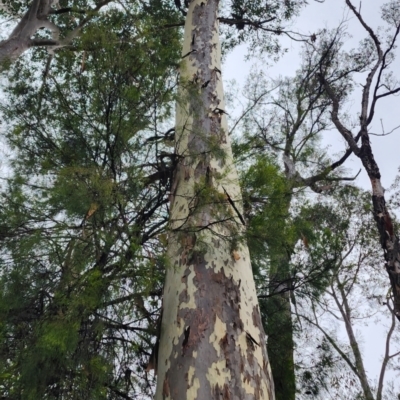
[
  {"x": 83, "y": 211},
  {"x": 374, "y": 59},
  {"x": 282, "y": 125},
  {"x": 355, "y": 296}
]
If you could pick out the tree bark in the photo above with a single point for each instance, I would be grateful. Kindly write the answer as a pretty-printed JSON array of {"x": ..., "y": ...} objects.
[
  {"x": 389, "y": 239},
  {"x": 345, "y": 310},
  {"x": 20, "y": 39},
  {"x": 212, "y": 343},
  {"x": 34, "y": 19},
  {"x": 279, "y": 328}
]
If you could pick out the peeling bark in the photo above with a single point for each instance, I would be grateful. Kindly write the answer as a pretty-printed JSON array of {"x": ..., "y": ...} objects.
[{"x": 212, "y": 342}]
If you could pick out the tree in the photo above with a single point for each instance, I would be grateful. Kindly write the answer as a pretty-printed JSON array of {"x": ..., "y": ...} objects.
[
  {"x": 355, "y": 296},
  {"x": 282, "y": 125},
  {"x": 374, "y": 59},
  {"x": 201, "y": 331},
  {"x": 212, "y": 341},
  {"x": 83, "y": 213}
]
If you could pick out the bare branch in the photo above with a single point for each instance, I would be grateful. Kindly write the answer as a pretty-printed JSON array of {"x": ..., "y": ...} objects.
[
  {"x": 365, "y": 96},
  {"x": 347, "y": 135},
  {"x": 298, "y": 37},
  {"x": 383, "y": 130}
]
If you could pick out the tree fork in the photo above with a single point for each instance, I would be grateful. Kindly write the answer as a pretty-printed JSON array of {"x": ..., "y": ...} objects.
[{"x": 212, "y": 343}]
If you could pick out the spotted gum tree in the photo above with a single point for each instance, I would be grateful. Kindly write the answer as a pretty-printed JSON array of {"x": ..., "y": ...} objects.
[{"x": 212, "y": 341}]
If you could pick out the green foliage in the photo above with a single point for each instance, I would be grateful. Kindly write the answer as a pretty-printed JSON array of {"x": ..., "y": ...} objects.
[
  {"x": 266, "y": 201},
  {"x": 82, "y": 264}
]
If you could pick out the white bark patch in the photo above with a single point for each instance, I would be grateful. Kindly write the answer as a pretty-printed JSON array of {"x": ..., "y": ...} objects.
[
  {"x": 193, "y": 384},
  {"x": 377, "y": 189},
  {"x": 217, "y": 335}
]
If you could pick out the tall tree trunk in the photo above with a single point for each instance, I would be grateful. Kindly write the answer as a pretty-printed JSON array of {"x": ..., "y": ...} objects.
[{"x": 212, "y": 343}]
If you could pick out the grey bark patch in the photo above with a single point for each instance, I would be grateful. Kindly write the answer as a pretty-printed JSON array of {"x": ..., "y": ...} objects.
[
  {"x": 222, "y": 393},
  {"x": 184, "y": 296}
]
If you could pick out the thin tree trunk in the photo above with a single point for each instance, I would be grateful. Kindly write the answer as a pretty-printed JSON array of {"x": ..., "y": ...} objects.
[
  {"x": 279, "y": 324},
  {"x": 279, "y": 329},
  {"x": 212, "y": 343},
  {"x": 346, "y": 314}
]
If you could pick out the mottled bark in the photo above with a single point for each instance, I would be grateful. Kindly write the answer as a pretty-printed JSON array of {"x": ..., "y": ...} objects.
[{"x": 212, "y": 342}]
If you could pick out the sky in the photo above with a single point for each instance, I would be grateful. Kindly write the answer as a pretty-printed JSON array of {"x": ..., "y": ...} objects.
[
  {"x": 328, "y": 15},
  {"x": 386, "y": 148}
]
